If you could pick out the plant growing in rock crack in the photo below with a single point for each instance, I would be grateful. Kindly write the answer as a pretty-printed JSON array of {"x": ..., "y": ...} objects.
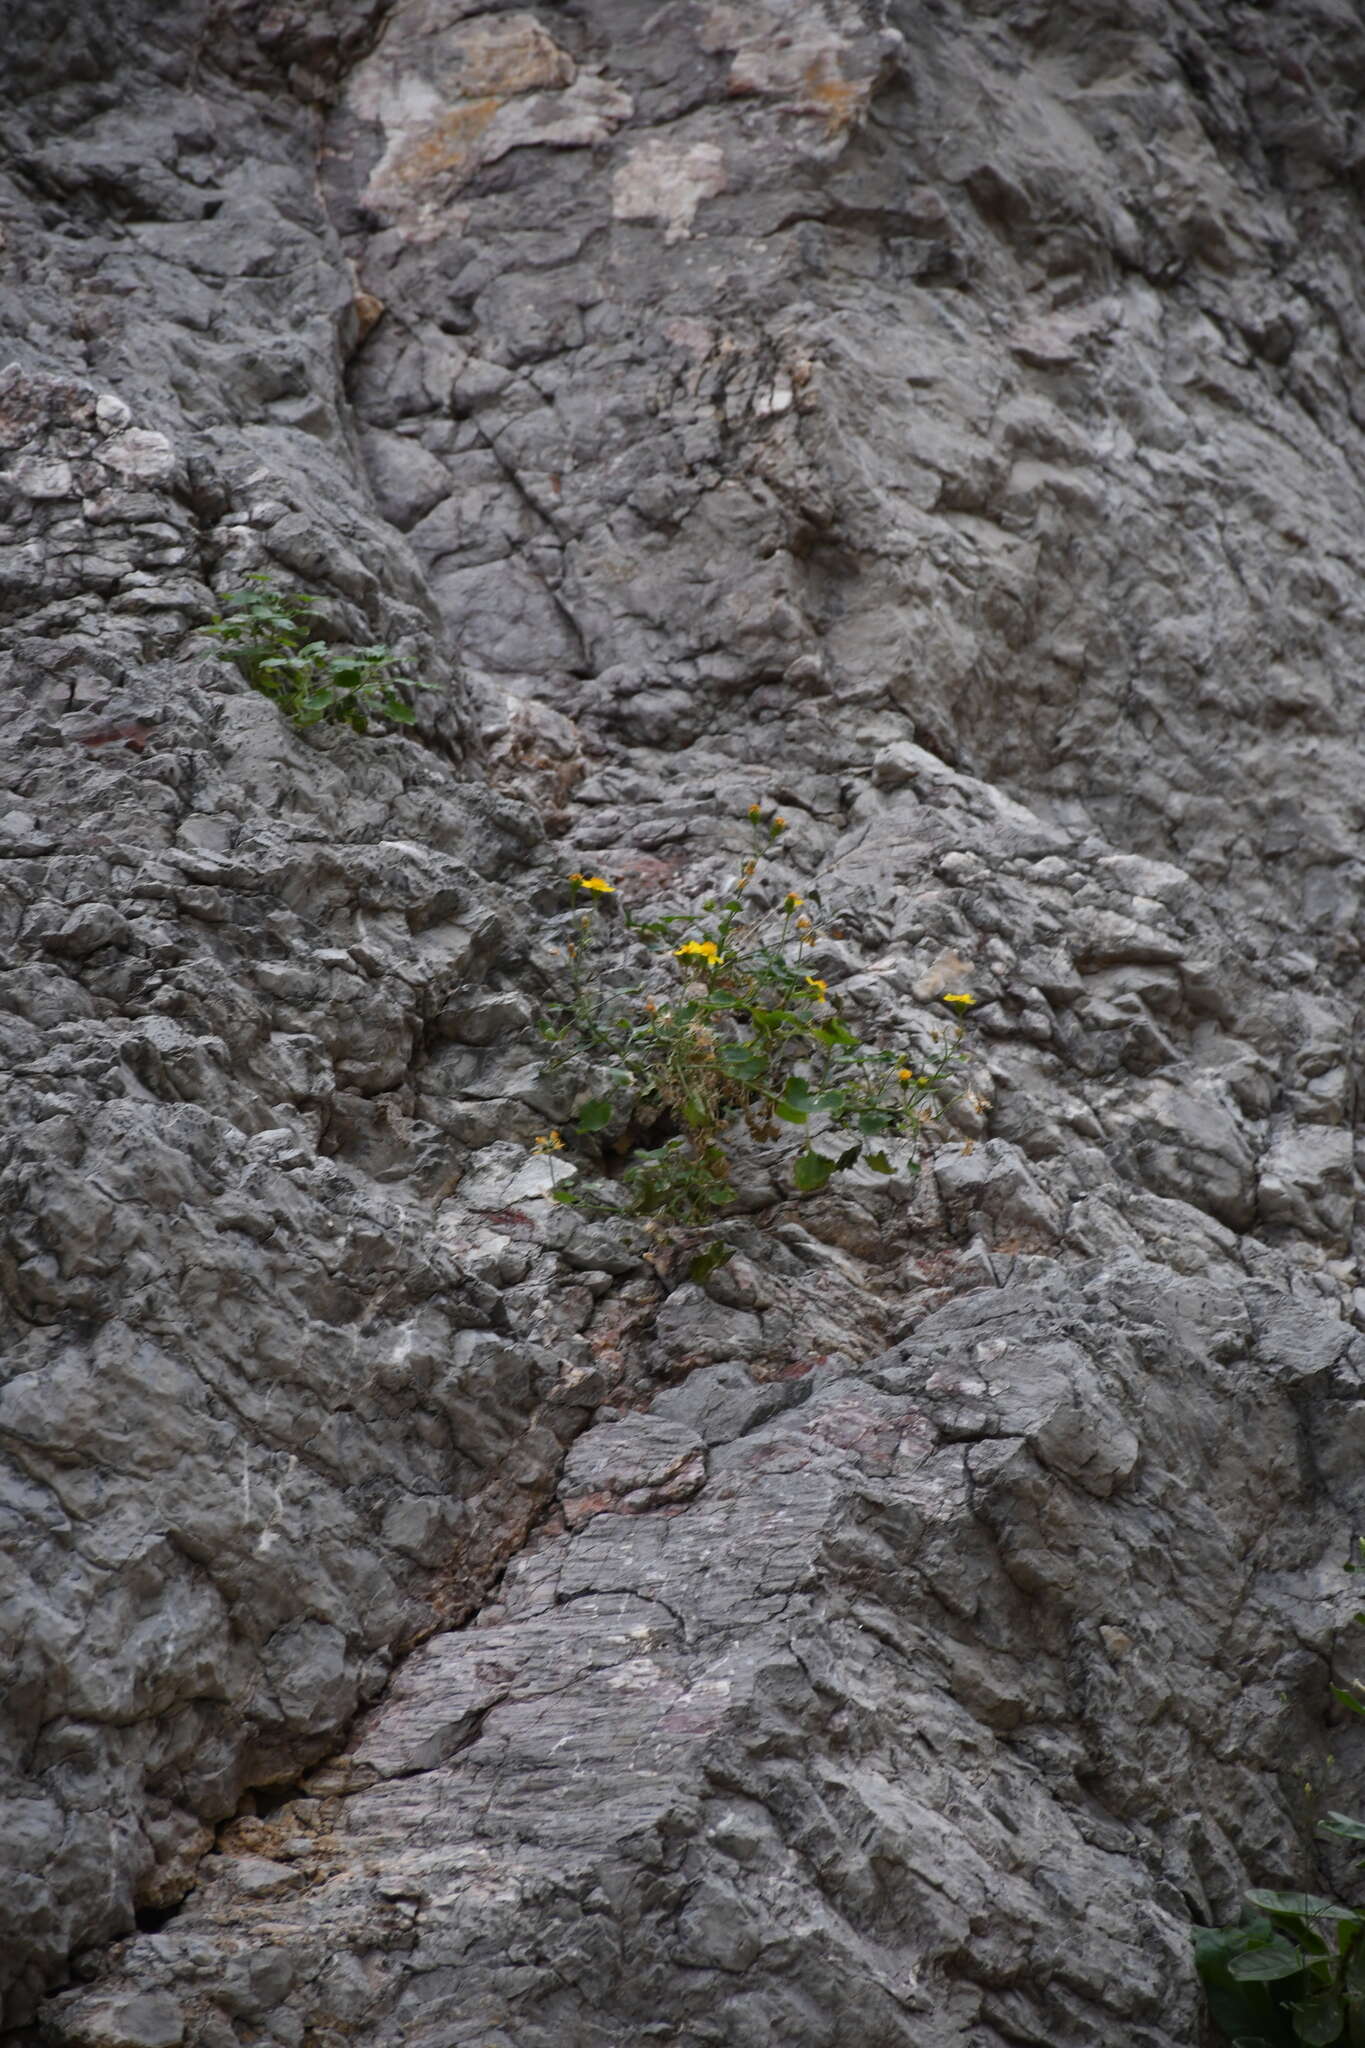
[
  {"x": 725, "y": 1030},
  {"x": 266, "y": 633},
  {"x": 1292, "y": 1975}
]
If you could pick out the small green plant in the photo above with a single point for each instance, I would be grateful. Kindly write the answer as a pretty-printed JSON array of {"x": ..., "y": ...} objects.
[
  {"x": 1293, "y": 1974},
  {"x": 727, "y": 1029},
  {"x": 265, "y": 630}
]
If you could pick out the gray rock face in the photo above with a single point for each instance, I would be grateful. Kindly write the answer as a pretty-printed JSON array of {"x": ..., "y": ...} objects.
[
  {"x": 932, "y": 1671},
  {"x": 943, "y": 423}
]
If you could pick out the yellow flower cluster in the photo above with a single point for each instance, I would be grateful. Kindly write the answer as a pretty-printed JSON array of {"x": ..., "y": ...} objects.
[
  {"x": 550, "y": 1141},
  {"x": 704, "y": 948},
  {"x": 966, "y": 1001},
  {"x": 598, "y": 886}
]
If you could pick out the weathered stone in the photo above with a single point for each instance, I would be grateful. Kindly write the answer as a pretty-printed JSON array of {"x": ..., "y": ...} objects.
[{"x": 940, "y": 423}]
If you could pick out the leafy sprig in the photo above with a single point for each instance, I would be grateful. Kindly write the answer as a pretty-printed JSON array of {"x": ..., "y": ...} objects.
[
  {"x": 1293, "y": 1974},
  {"x": 726, "y": 1029},
  {"x": 265, "y": 632}
]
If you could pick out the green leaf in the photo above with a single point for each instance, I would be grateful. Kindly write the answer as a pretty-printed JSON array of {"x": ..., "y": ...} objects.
[
  {"x": 742, "y": 1062},
  {"x": 790, "y": 1115},
  {"x": 764, "y": 1019},
  {"x": 811, "y": 1171},
  {"x": 798, "y": 1094},
  {"x": 878, "y": 1161},
  {"x": 1302, "y": 1906},
  {"x": 399, "y": 712},
  {"x": 1242, "y": 2011},
  {"x": 594, "y": 1115},
  {"x": 1343, "y": 1827},
  {"x": 709, "y": 1261},
  {"x": 1318, "y": 2021},
  {"x": 1354, "y": 1977},
  {"x": 1349, "y": 1700},
  {"x": 1265, "y": 1965}
]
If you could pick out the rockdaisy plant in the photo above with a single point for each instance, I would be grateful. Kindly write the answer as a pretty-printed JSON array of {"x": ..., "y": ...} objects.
[{"x": 698, "y": 1025}]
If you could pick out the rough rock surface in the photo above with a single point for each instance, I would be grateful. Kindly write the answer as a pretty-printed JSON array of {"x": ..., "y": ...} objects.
[{"x": 943, "y": 421}]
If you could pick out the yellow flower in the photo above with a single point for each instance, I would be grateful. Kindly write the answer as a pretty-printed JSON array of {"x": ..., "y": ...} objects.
[
  {"x": 755, "y": 812},
  {"x": 704, "y": 948},
  {"x": 904, "y": 1074},
  {"x": 779, "y": 825},
  {"x": 596, "y": 883},
  {"x": 793, "y": 902},
  {"x": 966, "y": 1001},
  {"x": 550, "y": 1142},
  {"x": 819, "y": 987}
]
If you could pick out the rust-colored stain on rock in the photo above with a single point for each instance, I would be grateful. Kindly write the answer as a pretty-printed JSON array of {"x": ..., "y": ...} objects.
[
  {"x": 829, "y": 93},
  {"x": 448, "y": 144}
]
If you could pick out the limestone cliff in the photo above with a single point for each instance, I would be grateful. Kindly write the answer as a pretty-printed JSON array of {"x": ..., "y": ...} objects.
[{"x": 426, "y": 1615}]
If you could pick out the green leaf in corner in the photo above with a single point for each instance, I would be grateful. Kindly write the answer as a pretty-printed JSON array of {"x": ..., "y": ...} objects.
[
  {"x": 1265, "y": 1965},
  {"x": 709, "y": 1261},
  {"x": 1301, "y": 1906},
  {"x": 1318, "y": 2021},
  {"x": 741, "y": 1062},
  {"x": 1244, "y": 2012},
  {"x": 594, "y": 1116},
  {"x": 1343, "y": 1827},
  {"x": 811, "y": 1172},
  {"x": 1355, "y": 1974}
]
